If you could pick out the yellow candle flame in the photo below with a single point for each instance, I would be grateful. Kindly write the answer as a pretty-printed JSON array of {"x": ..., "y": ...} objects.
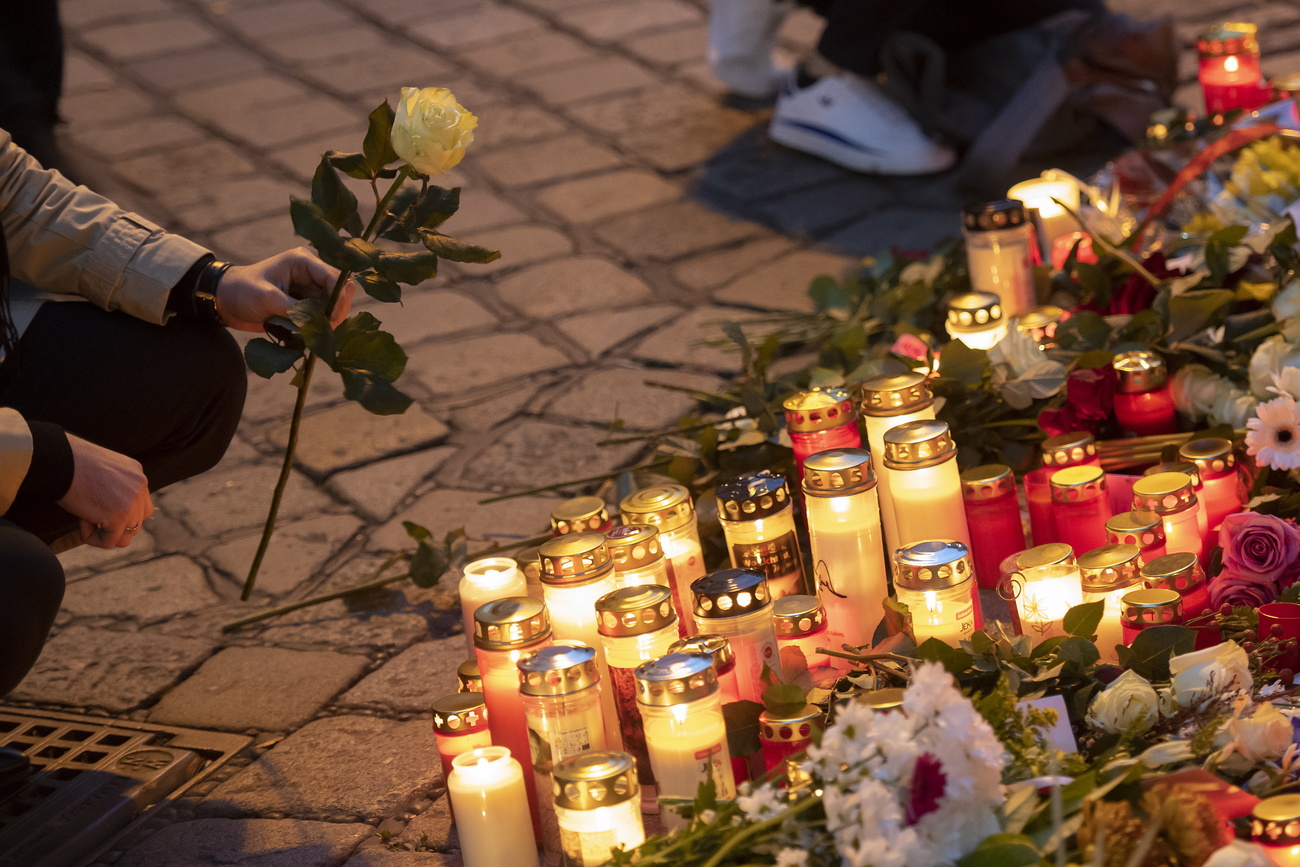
[{"x": 1231, "y": 63}]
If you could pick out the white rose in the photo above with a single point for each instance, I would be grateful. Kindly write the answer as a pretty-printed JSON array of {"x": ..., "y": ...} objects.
[
  {"x": 1239, "y": 853},
  {"x": 1261, "y": 736},
  {"x": 1168, "y": 753},
  {"x": 1268, "y": 361},
  {"x": 432, "y": 130},
  {"x": 1233, "y": 408},
  {"x": 1286, "y": 303},
  {"x": 1129, "y": 703},
  {"x": 1204, "y": 673}
]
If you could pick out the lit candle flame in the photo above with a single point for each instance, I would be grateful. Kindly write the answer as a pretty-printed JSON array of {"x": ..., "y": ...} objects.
[{"x": 1230, "y": 63}]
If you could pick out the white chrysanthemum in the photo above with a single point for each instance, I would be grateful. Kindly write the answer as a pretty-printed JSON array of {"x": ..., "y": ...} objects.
[
  {"x": 761, "y": 804},
  {"x": 791, "y": 858},
  {"x": 1273, "y": 435}
]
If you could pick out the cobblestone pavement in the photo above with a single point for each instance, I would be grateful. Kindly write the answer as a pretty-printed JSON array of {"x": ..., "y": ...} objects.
[{"x": 598, "y": 118}]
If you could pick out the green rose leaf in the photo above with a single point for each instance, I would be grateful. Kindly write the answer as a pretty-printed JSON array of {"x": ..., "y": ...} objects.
[
  {"x": 266, "y": 359},
  {"x": 363, "y": 254},
  {"x": 376, "y": 394},
  {"x": 1094, "y": 280},
  {"x": 1003, "y": 850},
  {"x": 314, "y": 328},
  {"x": 353, "y": 165},
  {"x": 309, "y": 222},
  {"x": 1082, "y": 332},
  {"x": 378, "y": 145},
  {"x": 374, "y": 352},
  {"x": 428, "y": 564},
  {"x": 409, "y": 268},
  {"x": 1150, "y": 651},
  {"x": 380, "y": 289},
  {"x": 1082, "y": 620},
  {"x": 337, "y": 203},
  {"x": 1196, "y": 310},
  {"x": 453, "y": 250},
  {"x": 829, "y": 295},
  {"x": 967, "y": 366},
  {"x": 415, "y": 531},
  {"x": 435, "y": 207},
  {"x": 951, "y": 658}
]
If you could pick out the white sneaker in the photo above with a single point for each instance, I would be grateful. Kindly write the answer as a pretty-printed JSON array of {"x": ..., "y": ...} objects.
[
  {"x": 847, "y": 120},
  {"x": 742, "y": 36}
]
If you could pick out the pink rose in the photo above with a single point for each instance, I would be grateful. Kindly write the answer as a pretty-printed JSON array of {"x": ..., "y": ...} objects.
[
  {"x": 1240, "y": 588},
  {"x": 1263, "y": 545}
]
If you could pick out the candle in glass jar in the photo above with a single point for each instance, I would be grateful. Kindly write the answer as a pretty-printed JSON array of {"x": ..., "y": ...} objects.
[
  {"x": 484, "y": 580},
  {"x": 993, "y": 517},
  {"x": 885, "y": 402},
  {"x": 998, "y": 243},
  {"x": 468, "y": 678},
  {"x": 975, "y": 318},
  {"x": 800, "y": 621},
  {"x": 1220, "y": 491},
  {"x": 459, "y": 725},
  {"x": 487, "y": 792},
  {"x": 669, "y": 508},
  {"x": 736, "y": 604},
  {"x": 820, "y": 419},
  {"x": 580, "y": 515},
  {"x": 560, "y": 688},
  {"x": 1182, "y": 573},
  {"x": 935, "y": 579},
  {"x": 1170, "y": 496},
  {"x": 1141, "y": 528},
  {"x": 1229, "y": 69},
  {"x": 1108, "y": 573},
  {"x": 1081, "y": 506},
  {"x": 638, "y": 556},
  {"x": 757, "y": 518},
  {"x": 1275, "y": 826},
  {"x": 1043, "y": 595},
  {"x": 504, "y": 630},
  {"x": 786, "y": 735},
  {"x": 1074, "y": 449},
  {"x": 597, "y": 807},
  {"x": 527, "y": 559},
  {"x": 848, "y": 556},
  {"x": 576, "y": 571},
  {"x": 1144, "y": 403},
  {"x": 921, "y": 462},
  {"x": 1050, "y": 195},
  {"x": 1193, "y": 472},
  {"x": 1142, "y": 609},
  {"x": 684, "y": 728},
  {"x": 724, "y": 660},
  {"x": 637, "y": 624},
  {"x": 1038, "y": 497}
]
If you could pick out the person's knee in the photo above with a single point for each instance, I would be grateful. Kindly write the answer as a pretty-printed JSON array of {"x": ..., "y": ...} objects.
[{"x": 32, "y": 579}]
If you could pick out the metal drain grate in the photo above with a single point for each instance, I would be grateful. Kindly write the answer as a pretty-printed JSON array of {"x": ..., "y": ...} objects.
[{"x": 91, "y": 777}]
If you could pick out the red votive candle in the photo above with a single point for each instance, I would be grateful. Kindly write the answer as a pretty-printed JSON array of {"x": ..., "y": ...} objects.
[
  {"x": 1287, "y": 616},
  {"x": 1038, "y": 496},
  {"x": 459, "y": 725},
  {"x": 1170, "y": 496},
  {"x": 1220, "y": 492},
  {"x": 1142, "y": 609},
  {"x": 786, "y": 735},
  {"x": 1075, "y": 449},
  {"x": 993, "y": 515},
  {"x": 1229, "y": 68},
  {"x": 1144, "y": 405},
  {"x": 800, "y": 621},
  {"x": 1062, "y": 246},
  {"x": 821, "y": 419},
  {"x": 1081, "y": 506},
  {"x": 1140, "y": 528},
  {"x": 1192, "y": 472},
  {"x": 1181, "y": 572}
]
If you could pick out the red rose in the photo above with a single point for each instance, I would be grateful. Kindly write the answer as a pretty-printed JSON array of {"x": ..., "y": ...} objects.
[{"x": 1089, "y": 396}]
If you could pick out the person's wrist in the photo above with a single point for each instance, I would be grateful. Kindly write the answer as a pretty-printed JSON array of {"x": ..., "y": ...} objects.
[{"x": 205, "y": 302}]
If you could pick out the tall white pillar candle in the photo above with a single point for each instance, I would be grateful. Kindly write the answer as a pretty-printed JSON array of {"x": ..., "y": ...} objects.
[
  {"x": 484, "y": 581},
  {"x": 487, "y": 792}
]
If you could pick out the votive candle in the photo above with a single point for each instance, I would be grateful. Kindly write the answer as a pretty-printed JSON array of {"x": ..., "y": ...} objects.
[
  {"x": 757, "y": 518},
  {"x": 1080, "y": 506},
  {"x": 921, "y": 461},
  {"x": 885, "y": 402},
  {"x": 1221, "y": 491},
  {"x": 724, "y": 660},
  {"x": 820, "y": 419},
  {"x": 1170, "y": 496},
  {"x": 1144, "y": 404},
  {"x": 736, "y": 604},
  {"x": 1141, "y": 528},
  {"x": 580, "y": 515},
  {"x": 786, "y": 735},
  {"x": 1108, "y": 573},
  {"x": 1142, "y": 609},
  {"x": 487, "y": 792},
  {"x": 459, "y": 725},
  {"x": 669, "y": 508},
  {"x": 1182, "y": 573},
  {"x": 975, "y": 318},
  {"x": 1043, "y": 595},
  {"x": 638, "y": 555},
  {"x": 800, "y": 621},
  {"x": 935, "y": 579},
  {"x": 1049, "y": 195},
  {"x": 998, "y": 241},
  {"x": 1073, "y": 449},
  {"x": 484, "y": 580},
  {"x": 1228, "y": 68},
  {"x": 597, "y": 807},
  {"x": 993, "y": 517}
]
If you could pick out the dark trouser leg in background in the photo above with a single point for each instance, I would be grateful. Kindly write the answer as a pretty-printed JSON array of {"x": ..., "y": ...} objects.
[
  {"x": 31, "y": 75},
  {"x": 168, "y": 396}
]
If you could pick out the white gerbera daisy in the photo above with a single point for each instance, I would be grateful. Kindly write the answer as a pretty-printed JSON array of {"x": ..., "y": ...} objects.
[{"x": 1273, "y": 436}]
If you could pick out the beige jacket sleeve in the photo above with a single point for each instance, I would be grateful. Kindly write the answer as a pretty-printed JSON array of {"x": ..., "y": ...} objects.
[{"x": 65, "y": 239}]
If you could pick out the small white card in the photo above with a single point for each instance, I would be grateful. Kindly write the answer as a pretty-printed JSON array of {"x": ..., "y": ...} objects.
[{"x": 1059, "y": 736}]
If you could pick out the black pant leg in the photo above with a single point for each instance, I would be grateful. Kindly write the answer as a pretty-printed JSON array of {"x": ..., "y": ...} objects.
[{"x": 31, "y": 588}]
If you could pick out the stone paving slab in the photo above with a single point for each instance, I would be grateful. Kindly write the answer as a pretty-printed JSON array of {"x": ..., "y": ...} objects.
[
  {"x": 108, "y": 669},
  {"x": 347, "y": 436},
  {"x": 258, "y": 688},
  {"x": 448, "y": 509},
  {"x": 408, "y": 682},
  {"x": 377, "y": 490},
  {"x": 385, "y": 858},
  {"x": 572, "y": 285},
  {"x": 434, "y": 825},
  {"x": 600, "y": 332},
  {"x": 621, "y": 394},
  {"x": 250, "y": 843},
  {"x": 334, "y": 768},
  {"x": 146, "y": 592},
  {"x": 297, "y": 551},
  {"x": 235, "y": 498},
  {"x": 533, "y": 453}
]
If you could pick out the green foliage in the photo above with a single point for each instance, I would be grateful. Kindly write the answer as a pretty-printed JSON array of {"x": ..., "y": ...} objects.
[
  {"x": 1152, "y": 648},
  {"x": 266, "y": 359},
  {"x": 1197, "y": 309},
  {"x": 432, "y": 560}
]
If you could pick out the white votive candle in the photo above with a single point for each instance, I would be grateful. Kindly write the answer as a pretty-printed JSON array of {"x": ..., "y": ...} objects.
[
  {"x": 487, "y": 792},
  {"x": 485, "y": 581}
]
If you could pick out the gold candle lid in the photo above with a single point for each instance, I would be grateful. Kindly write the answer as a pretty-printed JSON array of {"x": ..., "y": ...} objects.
[
  {"x": 1110, "y": 567},
  {"x": 729, "y": 593},
  {"x": 796, "y": 615},
  {"x": 664, "y": 506},
  {"x": 752, "y": 496},
  {"x": 1180, "y": 571},
  {"x": 577, "y": 559},
  {"x": 633, "y": 546},
  {"x": 468, "y": 678},
  {"x": 932, "y": 565},
  {"x": 1078, "y": 484},
  {"x": 797, "y": 725},
  {"x": 987, "y": 482},
  {"x": 1213, "y": 456},
  {"x": 511, "y": 623},
  {"x": 579, "y": 515},
  {"x": 560, "y": 669},
  {"x": 716, "y": 646},
  {"x": 459, "y": 713},
  {"x": 1275, "y": 821},
  {"x": 973, "y": 311},
  {"x": 1228, "y": 37},
  {"x": 882, "y": 699},
  {"x": 838, "y": 473},
  {"x": 1151, "y": 607},
  {"x": 1068, "y": 449},
  {"x": 1040, "y": 322},
  {"x": 883, "y": 396},
  {"x": 596, "y": 778},
  {"x": 1051, "y": 554},
  {"x": 1140, "y": 371},
  {"x": 819, "y": 409},
  {"x": 1164, "y": 493},
  {"x": 530, "y": 564},
  {"x": 635, "y": 610},
  {"x": 1138, "y": 527},
  {"x": 1187, "y": 468},
  {"x": 918, "y": 444},
  {"x": 677, "y": 678}
]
